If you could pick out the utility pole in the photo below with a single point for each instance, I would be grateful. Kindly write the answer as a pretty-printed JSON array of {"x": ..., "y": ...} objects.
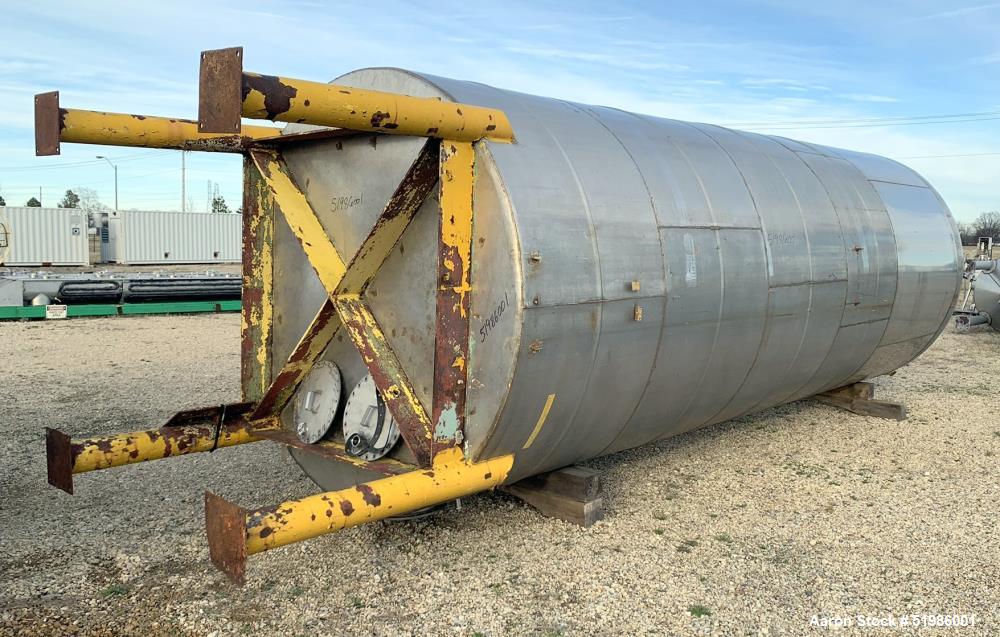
[
  {"x": 39, "y": 196},
  {"x": 183, "y": 183},
  {"x": 115, "y": 166}
]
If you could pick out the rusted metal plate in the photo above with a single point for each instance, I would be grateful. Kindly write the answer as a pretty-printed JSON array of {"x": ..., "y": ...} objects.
[
  {"x": 220, "y": 97},
  {"x": 258, "y": 283},
  {"x": 390, "y": 378},
  {"x": 310, "y": 347},
  {"x": 451, "y": 343},
  {"x": 334, "y": 450},
  {"x": 59, "y": 459},
  {"x": 409, "y": 195},
  {"x": 48, "y": 123},
  {"x": 225, "y": 525}
]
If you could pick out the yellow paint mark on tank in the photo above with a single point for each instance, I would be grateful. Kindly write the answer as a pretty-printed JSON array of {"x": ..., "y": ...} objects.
[{"x": 541, "y": 421}]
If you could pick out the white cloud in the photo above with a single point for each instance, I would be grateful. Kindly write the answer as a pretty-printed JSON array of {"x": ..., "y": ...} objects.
[{"x": 868, "y": 97}]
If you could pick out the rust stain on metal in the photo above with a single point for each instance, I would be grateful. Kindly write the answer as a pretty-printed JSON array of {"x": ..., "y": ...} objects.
[
  {"x": 277, "y": 95},
  {"x": 371, "y": 498},
  {"x": 393, "y": 383},
  {"x": 225, "y": 525},
  {"x": 346, "y": 507},
  {"x": 451, "y": 343}
]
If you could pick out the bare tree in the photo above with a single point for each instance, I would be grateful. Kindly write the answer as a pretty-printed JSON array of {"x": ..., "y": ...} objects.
[
  {"x": 987, "y": 225},
  {"x": 89, "y": 201}
]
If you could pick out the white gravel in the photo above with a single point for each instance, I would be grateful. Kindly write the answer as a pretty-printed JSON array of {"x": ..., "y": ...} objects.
[{"x": 763, "y": 522}]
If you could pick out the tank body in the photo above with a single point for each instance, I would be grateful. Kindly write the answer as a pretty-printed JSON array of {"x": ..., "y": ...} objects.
[{"x": 634, "y": 277}]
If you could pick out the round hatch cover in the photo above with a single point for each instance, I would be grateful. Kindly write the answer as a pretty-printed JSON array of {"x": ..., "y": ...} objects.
[
  {"x": 369, "y": 429},
  {"x": 316, "y": 402}
]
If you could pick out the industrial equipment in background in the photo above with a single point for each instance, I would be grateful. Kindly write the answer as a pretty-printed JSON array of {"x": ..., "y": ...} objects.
[
  {"x": 516, "y": 284},
  {"x": 41, "y": 294},
  {"x": 981, "y": 303},
  {"x": 73, "y": 237}
]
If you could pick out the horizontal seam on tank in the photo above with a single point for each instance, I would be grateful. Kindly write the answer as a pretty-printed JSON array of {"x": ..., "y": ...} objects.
[
  {"x": 541, "y": 306},
  {"x": 868, "y": 322},
  {"x": 792, "y": 285},
  {"x": 713, "y": 226},
  {"x": 895, "y": 183},
  {"x": 909, "y": 338}
]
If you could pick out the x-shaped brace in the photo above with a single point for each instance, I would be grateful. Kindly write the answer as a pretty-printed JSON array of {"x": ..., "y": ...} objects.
[{"x": 451, "y": 165}]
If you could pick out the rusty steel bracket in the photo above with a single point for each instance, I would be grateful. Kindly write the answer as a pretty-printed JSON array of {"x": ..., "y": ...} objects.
[
  {"x": 225, "y": 525},
  {"x": 186, "y": 432},
  {"x": 48, "y": 123},
  {"x": 222, "y": 70}
]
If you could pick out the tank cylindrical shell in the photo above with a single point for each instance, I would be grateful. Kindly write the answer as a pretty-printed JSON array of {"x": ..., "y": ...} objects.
[{"x": 633, "y": 277}]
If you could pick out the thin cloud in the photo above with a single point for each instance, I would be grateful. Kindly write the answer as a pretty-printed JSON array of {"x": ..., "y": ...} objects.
[
  {"x": 963, "y": 11},
  {"x": 868, "y": 97}
]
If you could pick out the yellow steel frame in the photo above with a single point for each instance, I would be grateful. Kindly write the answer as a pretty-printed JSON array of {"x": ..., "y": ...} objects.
[{"x": 447, "y": 160}]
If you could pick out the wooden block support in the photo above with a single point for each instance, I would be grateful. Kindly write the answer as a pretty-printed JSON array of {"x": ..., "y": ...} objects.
[
  {"x": 571, "y": 494},
  {"x": 858, "y": 399}
]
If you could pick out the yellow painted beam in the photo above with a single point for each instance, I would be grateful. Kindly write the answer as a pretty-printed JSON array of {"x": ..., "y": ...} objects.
[
  {"x": 388, "y": 374},
  {"x": 235, "y": 533},
  {"x": 258, "y": 283},
  {"x": 310, "y": 347},
  {"x": 290, "y": 100},
  {"x": 187, "y": 432},
  {"x": 301, "y": 218},
  {"x": 54, "y": 125},
  {"x": 453, "y": 296}
]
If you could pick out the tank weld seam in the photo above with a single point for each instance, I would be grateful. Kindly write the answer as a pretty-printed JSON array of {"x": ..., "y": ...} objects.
[
  {"x": 711, "y": 226},
  {"x": 792, "y": 285},
  {"x": 805, "y": 233},
  {"x": 595, "y": 246},
  {"x": 765, "y": 325},
  {"x": 663, "y": 265}
]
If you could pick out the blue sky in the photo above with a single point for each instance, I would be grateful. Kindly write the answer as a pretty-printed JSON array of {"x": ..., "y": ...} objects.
[{"x": 778, "y": 66}]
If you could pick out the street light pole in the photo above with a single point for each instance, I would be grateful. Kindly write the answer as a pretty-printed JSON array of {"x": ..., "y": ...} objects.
[{"x": 116, "y": 178}]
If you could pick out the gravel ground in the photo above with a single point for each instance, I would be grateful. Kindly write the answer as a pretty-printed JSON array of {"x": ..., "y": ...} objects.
[{"x": 756, "y": 525}]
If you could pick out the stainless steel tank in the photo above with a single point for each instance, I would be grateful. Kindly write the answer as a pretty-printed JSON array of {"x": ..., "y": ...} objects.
[{"x": 635, "y": 277}]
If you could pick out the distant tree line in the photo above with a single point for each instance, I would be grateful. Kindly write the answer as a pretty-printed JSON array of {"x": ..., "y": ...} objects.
[
  {"x": 986, "y": 225},
  {"x": 88, "y": 201}
]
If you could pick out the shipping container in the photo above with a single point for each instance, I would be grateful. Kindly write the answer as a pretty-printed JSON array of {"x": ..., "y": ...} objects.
[
  {"x": 43, "y": 236},
  {"x": 151, "y": 237}
]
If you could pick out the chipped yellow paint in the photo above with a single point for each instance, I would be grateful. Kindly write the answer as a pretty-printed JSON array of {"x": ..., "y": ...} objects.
[
  {"x": 365, "y": 110},
  {"x": 541, "y": 421},
  {"x": 378, "y": 356},
  {"x": 265, "y": 271},
  {"x": 301, "y": 218},
  {"x": 457, "y": 182},
  {"x": 449, "y": 478},
  {"x": 139, "y": 446},
  {"x": 258, "y": 274},
  {"x": 121, "y": 129}
]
